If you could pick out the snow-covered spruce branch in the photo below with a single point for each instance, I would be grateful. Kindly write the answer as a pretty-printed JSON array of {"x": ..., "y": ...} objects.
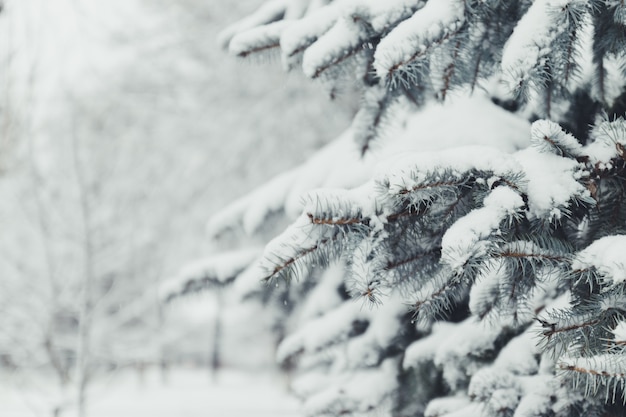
[
  {"x": 530, "y": 59},
  {"x": 257, "y": 40},
  {"x": 217, "y": 271},
  {"x": 399, "y": 53},
  {"x": 603, "y": 375},
  {"x": 492, "y": 245}
]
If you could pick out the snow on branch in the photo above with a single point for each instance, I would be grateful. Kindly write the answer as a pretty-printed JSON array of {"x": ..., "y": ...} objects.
[
  {"x": 402, "y": 50},
  {"x": 609, "y": 142},
  {"x": 216, "y": 271},
  {"x": 493, "y": 231},
  {"x": 335, "y": 165},
  {"x": 467, "y": 240},
  {"x": 602, "y": 374},
  {"x": 298, "y": 37},
  {"x": 260, "y": 39},
  {"x": 332, "y": 328},
  {"x": 530, "y": 55},
  {"x": 418, "y": 175},
  {"x": 606, "y": 256},
  {"x": 317, "y": 237},
  {"x": 269, "y": 12},
  {"x": 548, "y": 136},
  {"x": 365, "y": 391},
  {"x": 342, "y": 42}
]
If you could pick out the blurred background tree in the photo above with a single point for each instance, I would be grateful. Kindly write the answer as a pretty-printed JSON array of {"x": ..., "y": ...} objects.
[{"x": 121, "y": 130}]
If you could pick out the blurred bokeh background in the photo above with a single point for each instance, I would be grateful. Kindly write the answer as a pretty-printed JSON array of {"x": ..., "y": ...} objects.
[{"x": 123, "y": 128}]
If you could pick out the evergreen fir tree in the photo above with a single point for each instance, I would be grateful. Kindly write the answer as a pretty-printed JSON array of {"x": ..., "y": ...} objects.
[{"x": 488, "y": 252}]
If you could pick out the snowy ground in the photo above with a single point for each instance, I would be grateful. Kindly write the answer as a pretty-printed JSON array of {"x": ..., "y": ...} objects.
[{"x": 187, "y": 393}]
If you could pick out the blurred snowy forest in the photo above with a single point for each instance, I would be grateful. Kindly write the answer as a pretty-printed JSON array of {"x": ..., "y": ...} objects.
[{"x": 123, "y": 127}]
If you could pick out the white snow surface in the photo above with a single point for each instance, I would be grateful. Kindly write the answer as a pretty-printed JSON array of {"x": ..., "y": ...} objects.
[
  {"x": 184, "y": 393},
  {"x": 535, "y": 403},
  {"x": 315, "y": 22},
  {"x": 471, "y": 410},
  {"x": 414, "y": 169},
  {"x": 607, "y": 256},
  {"x": 529, "y": 37},
  {"x": 450, "y": 346}
]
